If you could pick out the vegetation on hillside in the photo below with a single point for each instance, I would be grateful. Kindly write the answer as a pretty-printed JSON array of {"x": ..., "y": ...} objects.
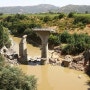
[
  {"x": 20, "y": 24},
  {"x": 4, "y": 37},
  {"x": 74, "y": 43},
  {"x": 11, "y": 78},
  {"x": 42, "y": 8}
]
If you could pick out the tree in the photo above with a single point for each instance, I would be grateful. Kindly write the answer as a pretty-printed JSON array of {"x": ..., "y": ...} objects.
[
  {"x": 54, "y": 39},
  {"x": 71, "y": 15},
  {"x": 12, "y": 78},
  {"x": 64, "y": 36},
  {"x": 20, "y": 16},
  {"x": 76, "y": 43},
  {"x": 61, "y": 15},
  {"x": 4, "y": 37},
  {"x": 46, "y": 19},
  {"x": 82, "y": 19}
]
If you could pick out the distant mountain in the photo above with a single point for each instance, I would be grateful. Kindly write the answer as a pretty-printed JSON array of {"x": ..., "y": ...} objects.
[
  {"x": 75, "y": 8},
  {"x": 42, "y": 8},
  {"x": 29, "y": 9}
]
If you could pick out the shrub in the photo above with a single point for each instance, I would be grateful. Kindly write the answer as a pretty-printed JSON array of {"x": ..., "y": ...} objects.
[
  {"x": 61, "y": 15},
  {"x": 11, "y": 78},
  {"x": 4, "y": 37},
  {"x": 54, "y": 39},
  {"x": 68, "y": 49},
  {"x": 76, "y": 43},
  {"x": 46, "y": 19},
  {"x": 64, "y": 36},
  {"x": 71, "y": 15},
  {"x": 2, "y": 61},
  {"x": 20, "y": 16},
  {"x": 81, "y": 19}
]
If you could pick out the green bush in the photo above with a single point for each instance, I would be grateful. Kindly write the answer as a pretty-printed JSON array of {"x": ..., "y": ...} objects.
[
  {"x": 81, "y": 19},
  {"x": 71, "y": 15},
  {"x": 76, "y": 43},
  {"x": 2, "y": 61},
  {"x": 46, "y": 19},
  {"x": 68, "y": 49},
  {"x": 60, "y": 16},
  {"x": 64, "y": 36},
  {"x": 4, "y": 37},
  {"x": 20, "y": 16},
  {"x": 11, "y": 78},
  {"x": 54, "y": 39}
]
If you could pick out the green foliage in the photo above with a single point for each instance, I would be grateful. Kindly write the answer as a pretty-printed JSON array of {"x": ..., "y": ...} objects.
[
  {"x": 80, "y": 20},
  {"x": 82, "y": 15},
  {"x": 20, "y": 28},
  {"x": 84, "y": 20},
  {"x": 64, "y": 36},
  {"x": 32, "y": 37},
  {"x": 76, "y": 44},
  {"x": 46, "y": 19},
  {"x": 68, "y": 49},
  {"x": 61, "y": 15},
  {"x": 20, "y": 16},
  {"x": 20, "y": 24},
  {"x": 2, "y": 61},
  {"x": 28, "y": 31},
  {"x": 11, "y": 78},
  {"x": 33, "y": 25},
  {"x": 16, "y": 17},
  {"x": 71, "y": 15},
  {"x": 54, "y": 39},
  {"x": 10, "y": 19},
  {"x": 4, "y": 37}
]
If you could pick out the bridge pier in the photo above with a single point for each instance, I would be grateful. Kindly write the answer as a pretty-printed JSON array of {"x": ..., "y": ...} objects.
[
  {"x": 23, "y": 49},
  {"x": 44, "y": 35}
]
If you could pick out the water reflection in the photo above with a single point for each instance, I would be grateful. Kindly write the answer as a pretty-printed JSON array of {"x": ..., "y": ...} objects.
[{"x": 44, "y": 84}]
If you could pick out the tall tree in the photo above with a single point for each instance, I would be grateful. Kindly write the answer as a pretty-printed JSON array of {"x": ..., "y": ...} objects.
[{"x": 4, "y": 37}]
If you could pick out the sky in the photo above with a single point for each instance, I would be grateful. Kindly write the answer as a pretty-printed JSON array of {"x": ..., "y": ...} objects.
[{"x": 59, "y": 3}]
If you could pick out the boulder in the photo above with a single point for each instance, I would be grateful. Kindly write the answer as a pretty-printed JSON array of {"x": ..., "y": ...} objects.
[
  {"x": 78, "y": 58},
  {"x": 66, "y": 62}
]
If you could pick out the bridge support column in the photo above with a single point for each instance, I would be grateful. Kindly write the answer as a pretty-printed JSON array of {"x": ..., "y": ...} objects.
[
  {"x": 44, "y": 49},
  {"x": 23, "y": 49}
]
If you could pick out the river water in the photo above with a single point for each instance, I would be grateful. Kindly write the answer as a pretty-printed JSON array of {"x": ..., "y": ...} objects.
[{"x": 53, "y": 77}]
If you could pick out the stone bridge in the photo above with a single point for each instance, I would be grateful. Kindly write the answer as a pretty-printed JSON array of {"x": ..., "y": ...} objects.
[{"x": 43, "y": 33}]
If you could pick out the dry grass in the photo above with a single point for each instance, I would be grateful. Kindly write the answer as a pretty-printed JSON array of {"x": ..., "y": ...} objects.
[{"x": 86, "y": 30}]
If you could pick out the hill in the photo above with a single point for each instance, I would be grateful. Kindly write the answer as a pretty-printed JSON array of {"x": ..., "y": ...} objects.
[
  {"x": 28, "y": 9},
  {"x": 75, "y": 8},
  {"x": 43, "y": 8}
]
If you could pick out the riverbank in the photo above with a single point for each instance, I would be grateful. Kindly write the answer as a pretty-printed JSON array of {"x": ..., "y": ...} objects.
[
  {"x": 55, "y": 57},
  {"x": 53, "y": 77}
]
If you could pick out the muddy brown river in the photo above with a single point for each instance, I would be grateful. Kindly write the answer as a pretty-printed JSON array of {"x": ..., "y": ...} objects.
[{"x": 53, "y": 77}]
